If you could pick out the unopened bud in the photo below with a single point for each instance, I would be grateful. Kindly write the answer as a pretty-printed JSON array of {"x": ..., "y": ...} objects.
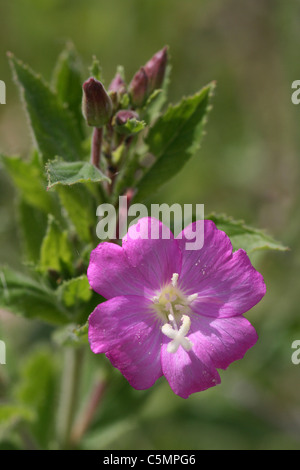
[
  {"x": 121, "y": 119},
  {"x": 96, "y": 104},
  {"x": 117, "y": 90},
  {"x": 117, "y": 85},
  {"x": 124, "y": 115},
  {"x": 155, "y": 69},
  {"x": 138, "y": 88}
]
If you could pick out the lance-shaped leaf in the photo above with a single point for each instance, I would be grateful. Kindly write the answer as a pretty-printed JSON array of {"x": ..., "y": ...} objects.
[
  {"x": 32, "y": 225},
  {"x": 68, "y": 173},
  {"x": 67, "y": 82},
  {"x": 54, "y": 128},
  {"x": 29, "y": 180},
  {"x": 174, "y": 138},
  {"x": 25, "y": 296},
  {"x": 243, "y": 236}
]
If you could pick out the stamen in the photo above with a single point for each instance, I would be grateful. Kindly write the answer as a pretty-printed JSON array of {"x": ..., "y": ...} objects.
[
  {"x": 182, "y": 308},
  {"x": 192, "y": 297},
  {"x": 178, "y": 336},
  {"x": 174, "y": 279}
]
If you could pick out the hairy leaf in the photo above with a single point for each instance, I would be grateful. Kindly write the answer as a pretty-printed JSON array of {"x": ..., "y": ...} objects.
[
  {"x": 25, "y": 296},
  {"x": 67, "y": 82},
  {"x": 243, "y": 236},
  {"x": 67, "y": 173},
  {"x": 54, "y": 128},
  {"x": 173, "y": 139}
]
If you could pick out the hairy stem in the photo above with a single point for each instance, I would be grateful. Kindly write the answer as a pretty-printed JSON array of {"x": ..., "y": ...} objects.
[{"x": 96, "y": 146}]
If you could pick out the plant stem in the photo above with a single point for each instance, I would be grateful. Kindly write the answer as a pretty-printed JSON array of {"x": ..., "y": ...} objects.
[
  {"x": 69, "y": 394},
  {"x": 86, "y": 418},
  {"x": 96, "y": 146}
]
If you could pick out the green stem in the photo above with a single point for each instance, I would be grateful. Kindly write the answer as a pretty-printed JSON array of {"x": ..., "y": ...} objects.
[{"x": 69, "y": 395}]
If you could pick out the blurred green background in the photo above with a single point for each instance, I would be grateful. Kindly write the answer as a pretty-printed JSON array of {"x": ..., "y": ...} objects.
[{"x": 248, "y": 167}]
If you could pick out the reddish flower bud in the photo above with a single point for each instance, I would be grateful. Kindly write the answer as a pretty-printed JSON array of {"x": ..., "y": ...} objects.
[
  {"x": 117, "y": 85},
  {"x": 155, "y": 69},
  {"x": 124, "y": 115},
  {"x": 121, "y": 119},
  {"x": 96, "y": 104},
  {"x": 138, "y": 88}
]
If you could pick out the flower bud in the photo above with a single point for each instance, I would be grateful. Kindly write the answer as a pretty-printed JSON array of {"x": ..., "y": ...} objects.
[
  {"x": 155, "y": 69},
  {"x": 96, "y": 104},
  {"x": 120, "y": 120},
  {"x": 117, "y": 90},
  {"x": 138, "y": 88},
  {"x": 124, "y": 115},
  {"x": 117, "y": 85}
]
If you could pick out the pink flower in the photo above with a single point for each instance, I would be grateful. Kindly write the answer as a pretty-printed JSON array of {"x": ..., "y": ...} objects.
[{"x": 172, "y": 311}]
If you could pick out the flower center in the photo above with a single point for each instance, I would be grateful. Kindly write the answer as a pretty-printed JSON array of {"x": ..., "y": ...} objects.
[{"x": 174, "y": 306}]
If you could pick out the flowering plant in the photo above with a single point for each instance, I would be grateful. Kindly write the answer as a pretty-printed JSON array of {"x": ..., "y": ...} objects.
[
  {"x": 152, "y": 306},
  {"x": 158, "y": 291}
]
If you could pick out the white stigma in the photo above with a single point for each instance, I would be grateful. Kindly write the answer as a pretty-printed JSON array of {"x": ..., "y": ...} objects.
[
  {"x": 173, "y": 304},
  {"x": 178, "y": 337}
]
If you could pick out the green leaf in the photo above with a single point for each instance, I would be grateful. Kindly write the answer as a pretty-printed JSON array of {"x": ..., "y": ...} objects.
[
  {"x": 11, "y": 415},
  {"x": 75, "y": 291},
  {"x": 67, "y": 81},
  {"x": 30, "y": 181},
  {"x": 33, "y": 224},
  {"x": 23, "y": 295},
  {"x": 68, "y": 173},
  {"x": 53, "y": 125},
  {"x": 81, "y": 209},
  {"x": 173, "y": 139},
  {"x": 78, "y": 297},
  {"x": 37, "y": 390},
  {"x": 56, "y": 252},
  {"x": 243, "y": 236},
  {"x": 157, "y": 99}
]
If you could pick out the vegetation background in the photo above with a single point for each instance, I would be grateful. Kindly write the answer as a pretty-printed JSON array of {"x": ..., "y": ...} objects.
[{"x": 248, "y": 167}]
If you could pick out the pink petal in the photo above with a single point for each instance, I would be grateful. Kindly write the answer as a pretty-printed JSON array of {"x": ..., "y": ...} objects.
[
  {"x": 225, "y": 339},
  {"x": 186, "y": 373},
  {"x": 110, "y": 273},
  {"x": 227, "y": 284},
  {"x": 126, "y": 329},
  {"x": 156, "y": 259}
]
